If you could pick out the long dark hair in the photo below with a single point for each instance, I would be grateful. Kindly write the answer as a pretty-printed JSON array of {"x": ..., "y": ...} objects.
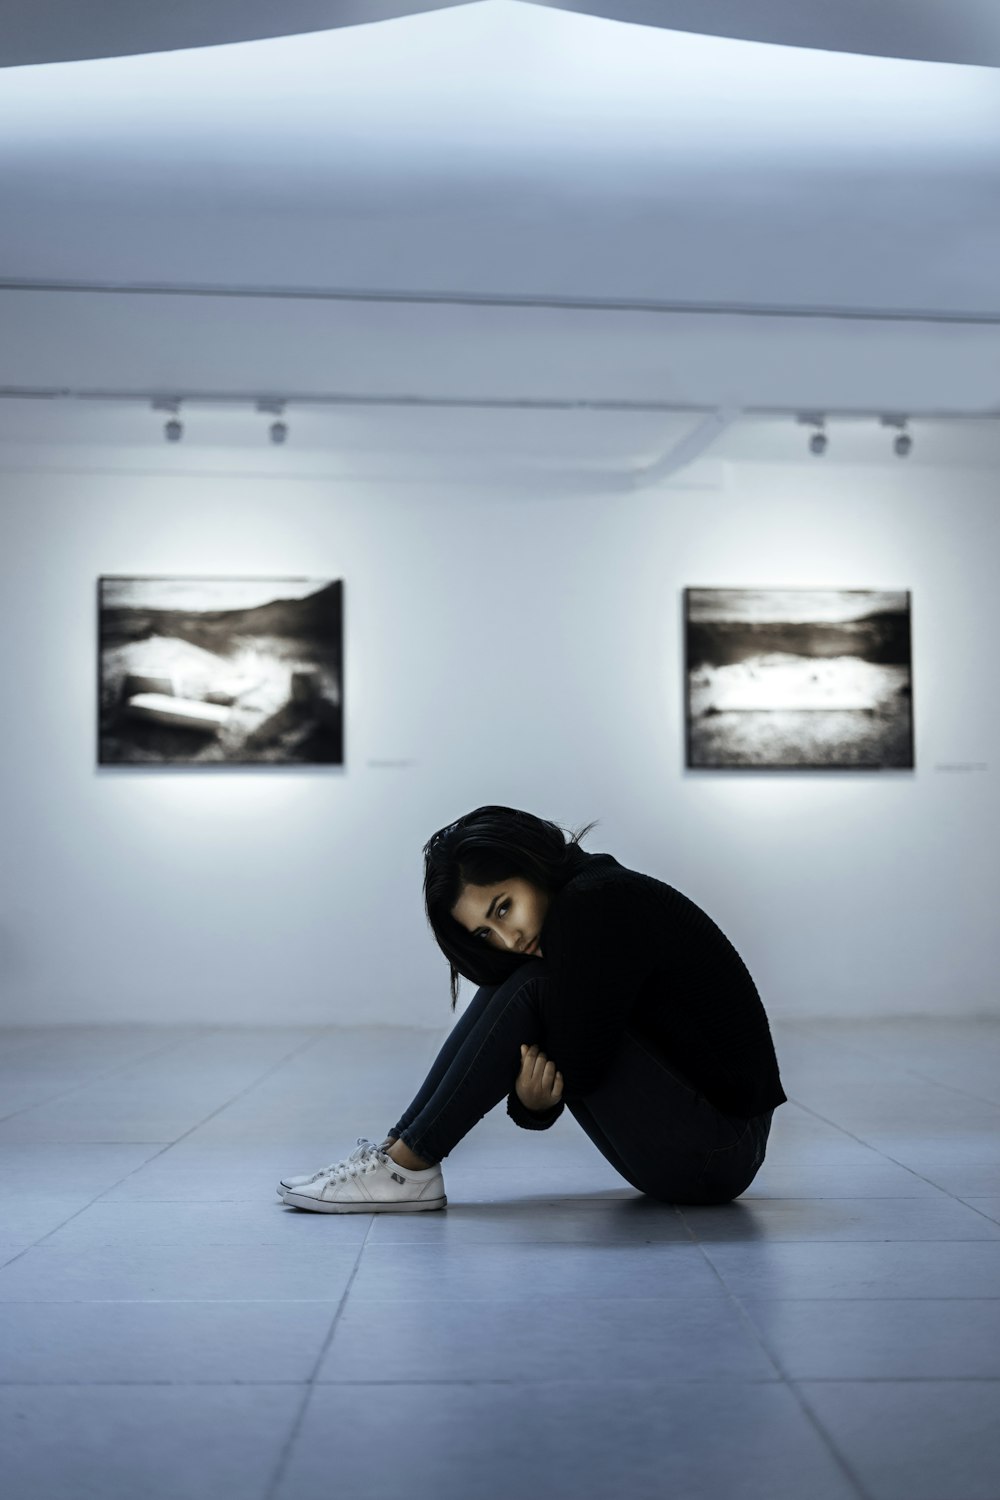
[{"x": 485, "y": 847}]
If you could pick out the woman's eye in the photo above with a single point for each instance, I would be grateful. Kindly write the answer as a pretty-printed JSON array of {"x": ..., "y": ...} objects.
[{"x": 483, "y": 933}]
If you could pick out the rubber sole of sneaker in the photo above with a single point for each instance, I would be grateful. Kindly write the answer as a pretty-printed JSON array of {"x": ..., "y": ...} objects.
[{"x": 297, "y": 1200}]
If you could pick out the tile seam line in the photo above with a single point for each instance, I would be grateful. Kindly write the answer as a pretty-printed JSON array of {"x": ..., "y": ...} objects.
[
  {"x": 194, "y": 1301},
  {"x": 826, "y": 1439},
  {"x": 907, "y": 1072},
  {"x": 639, "y": 1380},
  {"x": 775, "y": 1239},
  {"x": 892, "y": 1159},
  {"x": 334, "y": 1302},
  {"x": 953, "y": 1088},
  {"x": 98, "y": 1078},
  {"x": 931, "y": 1183},
  {"x": 284, "y": 1457},
  {"x": 310, "y": 1041},
  {"x": 841, "y": 1129},
  {"x": 906, "y": 1197},
  {"x": 858, "y": 1049},
  {"x": 853, "y": 1047},
  {"x": 514, "y": 1381},
  {"x": 325, "y": 1302},
  {"x": 636, "y": 1380}
]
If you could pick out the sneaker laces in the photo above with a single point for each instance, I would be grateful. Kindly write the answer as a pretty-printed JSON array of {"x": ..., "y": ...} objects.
[
  {"x": 365, "y": 1159},
  {"x": 363, "y": 1149}
]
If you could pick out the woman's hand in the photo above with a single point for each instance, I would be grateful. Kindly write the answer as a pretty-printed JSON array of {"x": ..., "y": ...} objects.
[{"x": 540, "y": 1084}]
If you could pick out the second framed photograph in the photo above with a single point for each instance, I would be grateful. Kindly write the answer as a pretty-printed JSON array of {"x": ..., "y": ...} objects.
[
  {"x": 798, "y": 678},
  {"x": 220, "y": 671}
]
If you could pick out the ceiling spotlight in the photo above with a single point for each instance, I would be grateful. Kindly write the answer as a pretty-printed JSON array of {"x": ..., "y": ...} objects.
[
  {"x": 269, "y": 406},
  {"x": 818, "y": 441},
  {"x": 173, "y": 428},
  {"x": 903, "y": 442}
]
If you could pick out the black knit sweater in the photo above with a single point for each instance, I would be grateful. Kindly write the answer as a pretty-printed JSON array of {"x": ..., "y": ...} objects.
[{"x": 624, "y": 949}]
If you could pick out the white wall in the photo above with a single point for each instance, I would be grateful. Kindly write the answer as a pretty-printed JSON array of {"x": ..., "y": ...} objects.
[{"x": 513, "y": 647}]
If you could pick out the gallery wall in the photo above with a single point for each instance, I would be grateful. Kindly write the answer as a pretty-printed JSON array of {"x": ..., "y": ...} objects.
[{"x": 516, "y": 645}]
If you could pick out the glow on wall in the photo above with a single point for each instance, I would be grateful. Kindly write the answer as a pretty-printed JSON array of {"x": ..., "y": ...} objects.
[{"x": 220, "y": 671}]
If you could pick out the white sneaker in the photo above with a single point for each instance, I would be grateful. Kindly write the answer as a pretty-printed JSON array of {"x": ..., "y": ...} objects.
[
  {"x": 369, "y": 1184},
  {"x": 288, "y": 1184}
]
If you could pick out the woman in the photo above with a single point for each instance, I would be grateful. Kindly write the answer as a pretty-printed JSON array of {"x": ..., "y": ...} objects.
[{"x": 600, "y": 989}]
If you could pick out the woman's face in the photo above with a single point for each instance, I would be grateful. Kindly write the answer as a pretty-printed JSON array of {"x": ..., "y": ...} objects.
[{"x": 507, "y": 916}]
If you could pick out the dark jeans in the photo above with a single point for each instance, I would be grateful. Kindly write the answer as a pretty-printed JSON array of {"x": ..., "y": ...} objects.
[{"x": 646, "y": 1118}]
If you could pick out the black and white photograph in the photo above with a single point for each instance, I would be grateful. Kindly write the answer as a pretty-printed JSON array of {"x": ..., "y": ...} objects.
[
  {"x": 807, "y": 678},
  {"x": 220, "y": 671}
]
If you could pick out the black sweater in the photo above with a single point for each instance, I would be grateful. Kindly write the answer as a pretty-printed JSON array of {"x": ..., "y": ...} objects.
[{"x": 624, "y": 949}]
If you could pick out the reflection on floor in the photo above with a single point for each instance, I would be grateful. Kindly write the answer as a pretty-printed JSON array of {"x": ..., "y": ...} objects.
[{"x": 169, "y": 1329}]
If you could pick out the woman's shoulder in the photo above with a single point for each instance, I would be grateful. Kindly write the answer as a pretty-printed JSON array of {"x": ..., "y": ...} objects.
[
  {"x": 606, "y": 907},
  {"x": 603, "y": 872},
  {"x": 601, "y": 884}
]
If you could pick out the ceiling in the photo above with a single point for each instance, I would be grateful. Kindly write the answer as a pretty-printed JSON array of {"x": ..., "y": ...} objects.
[
  {"x": 504, "y": 228},
  {"x": 963, "y": 31}
]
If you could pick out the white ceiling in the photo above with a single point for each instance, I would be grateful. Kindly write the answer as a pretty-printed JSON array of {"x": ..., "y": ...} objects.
[
  {"x": 504, "y": 202},
  {"x": 964, "y": 31}
]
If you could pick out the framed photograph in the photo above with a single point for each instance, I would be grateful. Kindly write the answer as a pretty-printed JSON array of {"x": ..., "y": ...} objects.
[
  {"x": 798, "y": 678},
  {"x": 220, "y": 671}
]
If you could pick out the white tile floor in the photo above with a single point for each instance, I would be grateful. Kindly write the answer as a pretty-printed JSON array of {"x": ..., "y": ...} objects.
[{"x": 169, "y": 1330}]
